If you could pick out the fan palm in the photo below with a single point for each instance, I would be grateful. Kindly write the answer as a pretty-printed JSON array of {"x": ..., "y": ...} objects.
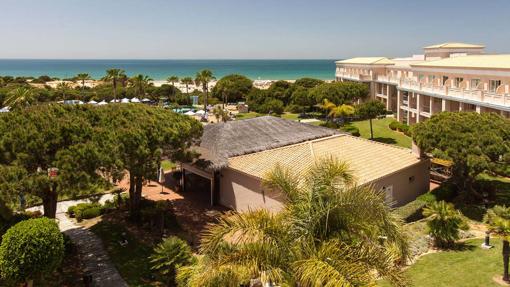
[
  {"x": 330, "y": 233},
  {"x": 170, "y": 254},
  {"x": 114, "y": 75},
  {"x": 172, "y": 80},
  {"x": 140, "y": 83},
  {"x": 203, "y": 78},
  {"x": 20, "y": 97},
  {"x": 187, "y": 81},
  {"x": 444, "y": 223},
  {"x": 498, "y": 222},
  {"x": 82, "y": 78}
]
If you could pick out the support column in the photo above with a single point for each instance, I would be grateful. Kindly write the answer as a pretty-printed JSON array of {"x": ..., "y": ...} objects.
[
  {"x": 388, "y": 104},
  {"x": 461, "y": 106},
  {"x": 431, "y": 105},
  {"x": 399, "y": 100},
  {"x": 445, "y": 105},
  {"x": 418, "y": 107},
  {"x": 478, "y": 109}
]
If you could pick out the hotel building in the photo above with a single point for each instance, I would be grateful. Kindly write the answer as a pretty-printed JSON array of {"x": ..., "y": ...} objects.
[{"x": 448, "y": 77}]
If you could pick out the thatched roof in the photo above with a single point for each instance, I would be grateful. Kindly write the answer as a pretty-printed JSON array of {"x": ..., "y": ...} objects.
[{"x": 224, "y": 140}]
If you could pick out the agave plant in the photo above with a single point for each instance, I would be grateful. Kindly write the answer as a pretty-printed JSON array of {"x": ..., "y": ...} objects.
[{"x": 330, "y": 233}]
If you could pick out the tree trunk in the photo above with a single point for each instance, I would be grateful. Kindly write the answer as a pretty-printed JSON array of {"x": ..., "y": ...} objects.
[
  {"x": 50, "y": 203},
  {"x": 506, "y": 253},
  {"x": 131, "y": 189},
  {"x": 205, "y": 98},
  {"x": 371, "y": 130},
  {"x": 115, "y": 90}
]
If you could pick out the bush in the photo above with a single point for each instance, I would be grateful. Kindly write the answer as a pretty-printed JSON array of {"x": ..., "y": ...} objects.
[
  {"x": 169, "y": 255},
  {"x": 85, "y": 210},
  {"x": 412, "y": 211},
  {"x": 90, "y": 213},
  {"x": 394, "y": 125},
  {"x": 404, "y": 129},
  {"x": 30, "y": 249},
  {"x": 444, "y": 223},
  {"x": 330, "y": 124},
  {"x": 352, "y": 130}
]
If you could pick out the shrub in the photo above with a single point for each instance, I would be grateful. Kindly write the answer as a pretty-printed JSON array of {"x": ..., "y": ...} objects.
[
  {"x": 352, "y": 130},
  {"x": 30, "y": 249},
  {"x": 394, "y": 125},
  {"x": 85, "y": 210},
  {"x": 404, "y": 129},
  {"x": 90, "y": 213},
  {"x": 444, "y": 223},
  {"x": 169, "y": 255},
  {"x": 330, "y": 124},
  {"x": 411, "y": 211}
]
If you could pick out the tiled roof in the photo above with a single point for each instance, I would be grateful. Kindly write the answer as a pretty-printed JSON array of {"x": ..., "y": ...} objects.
[
  {"x": 367, "y": 61},
  {"x": 369, "y": 160},
  {"x": 454, "y": 46},
  {"x": 471, "y": 61}
]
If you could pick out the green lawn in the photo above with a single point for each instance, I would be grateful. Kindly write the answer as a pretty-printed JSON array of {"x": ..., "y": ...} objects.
[
  {"x": 131, "y": 260},
  {"x": 245, "y": 116},
  {"x": 382, "y": 133},
  {"x": 470, "y": 266}
]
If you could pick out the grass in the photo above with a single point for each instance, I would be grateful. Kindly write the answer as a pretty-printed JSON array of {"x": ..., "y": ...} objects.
[
  {"x": 131, "y": 260},
  {"x": 468, "y": 266},
  {"x": 245, "y": 116},
  {"x": 167, "y": 165},
  {"x": 382, "y": 133}
]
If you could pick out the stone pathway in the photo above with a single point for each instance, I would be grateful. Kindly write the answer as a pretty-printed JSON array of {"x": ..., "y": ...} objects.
[{"x": 94, "y": 257}]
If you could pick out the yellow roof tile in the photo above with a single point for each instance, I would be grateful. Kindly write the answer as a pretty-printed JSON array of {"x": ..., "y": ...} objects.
[
  {"x": 367, "y": 61},
  {"x": 369, "y": 160},
  {"x": 472, "y": 61},
  {"x": 455, "y": 46}
]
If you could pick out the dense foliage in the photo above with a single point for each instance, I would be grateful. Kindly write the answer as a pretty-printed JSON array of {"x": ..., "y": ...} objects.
[
  {"x": 498, "y": 222},
  {"x": 30, "y": 249},
  {"x": 330, "y": 233},
  {"x": 474, "y": 142},
  {"x": 371, "y": 110},
  {"x": 232, "y": 88},
  {"x": 169, "y": 255},
  {"x": 89, "y": 145}
]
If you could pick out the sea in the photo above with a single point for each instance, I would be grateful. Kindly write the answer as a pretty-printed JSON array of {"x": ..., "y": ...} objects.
[{"x": 161, "y": 69}]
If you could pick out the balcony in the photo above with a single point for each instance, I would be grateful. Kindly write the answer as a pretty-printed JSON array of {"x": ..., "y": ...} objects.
[
  {"x": 458, "y": 93},
  {"x": 354, "y": 77},
  {"x": 387, "y": 79}
]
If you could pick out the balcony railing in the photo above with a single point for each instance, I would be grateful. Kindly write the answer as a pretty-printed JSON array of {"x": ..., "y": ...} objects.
[
  {"x": 355, "y": 77},
  {"x": 473, "y": 95}
]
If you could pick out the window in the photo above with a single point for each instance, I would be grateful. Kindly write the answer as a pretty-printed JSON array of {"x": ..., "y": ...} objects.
[
  {"x": 445, "y": 78},
  {"x": 411, "y": 179},
  {"x": 457, "y": 82},
  {"x": 493, "y": 85},
  {"x": 474, "y": 83}
]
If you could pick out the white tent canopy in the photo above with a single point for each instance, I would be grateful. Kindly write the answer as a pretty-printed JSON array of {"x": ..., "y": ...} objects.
[
  {"x": 189, "y": 113},
  {"x": 102, "y": 103},
  {"x": 114, "y": 101},
  {"x": 200, "y": 112},
  {"x": 135, "y": 100},
  {"x": 145, "y": 100},
  {"x": 124, "y": 100},
  {"x": 92, "y": 102}
]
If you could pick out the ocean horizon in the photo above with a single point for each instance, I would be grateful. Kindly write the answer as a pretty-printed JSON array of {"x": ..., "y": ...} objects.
[{"x": 263, "y": 69}]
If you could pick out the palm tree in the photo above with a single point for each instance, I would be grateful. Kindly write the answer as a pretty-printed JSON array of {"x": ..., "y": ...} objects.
[
  {"x": 187, "y": 81},
  {"x": 20, "y": 97},
  {"x": 114, "y": 75},
  {"x": 140, "y": 83},
  {"x": 444, "y": 222},
  {"x": 221, "y": 114},
  {"x": 173, "y": 80},
  {"x": 82, "y": 78},
  {"x": 170, "y": 254},
  {"x": 331, "y": 232},
  {"x": 63, "y": 87},
  {"x": 203, "y": 78},
  {"x": 498, "y": 222},
  {"x": 333, "y": 111}
]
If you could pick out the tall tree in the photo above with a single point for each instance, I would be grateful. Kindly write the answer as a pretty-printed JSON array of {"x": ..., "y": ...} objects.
[
  {"x": 140, "y": 83},
  {"x": 20, "y": 97},
  {"x": 203, "y": 78},
  {"x": 63, "y": 88},
  {"x": 328, "y": 234},
  {"x": 232, "y": 87},
  {"x": 172, "y": 80},
  {"x": 498, "y": 222},
  {"x": 473, "y": 142},
  {"x": 45, "y": 137},
  {"x": 333, "y": 111},
  {"x": 82, "y": 78},
  {"x": 371, "y": 110},
  {"x": 114, "y": 75},
  {"x": 187, "y": 81}
]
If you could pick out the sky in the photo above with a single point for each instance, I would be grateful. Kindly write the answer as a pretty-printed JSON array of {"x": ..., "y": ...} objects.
[{"x": 245, "y": 29}]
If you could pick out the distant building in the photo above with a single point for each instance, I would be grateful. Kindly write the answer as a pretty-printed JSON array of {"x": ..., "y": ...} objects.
[
  {"x": 448, "y": 77},
  {"x": 235, "y": 156}
]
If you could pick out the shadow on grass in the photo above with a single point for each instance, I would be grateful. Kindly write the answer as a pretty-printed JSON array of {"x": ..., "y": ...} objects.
[
  {"x": 385, "y": 140},
  {"x": 462, "y": 246}
]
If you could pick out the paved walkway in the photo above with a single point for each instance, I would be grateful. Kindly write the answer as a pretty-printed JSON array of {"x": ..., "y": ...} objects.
[{"x": 94, "y": 257}]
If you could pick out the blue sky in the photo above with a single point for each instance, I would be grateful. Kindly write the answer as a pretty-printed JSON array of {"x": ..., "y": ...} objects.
[{"x": 200, "y": 29}]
